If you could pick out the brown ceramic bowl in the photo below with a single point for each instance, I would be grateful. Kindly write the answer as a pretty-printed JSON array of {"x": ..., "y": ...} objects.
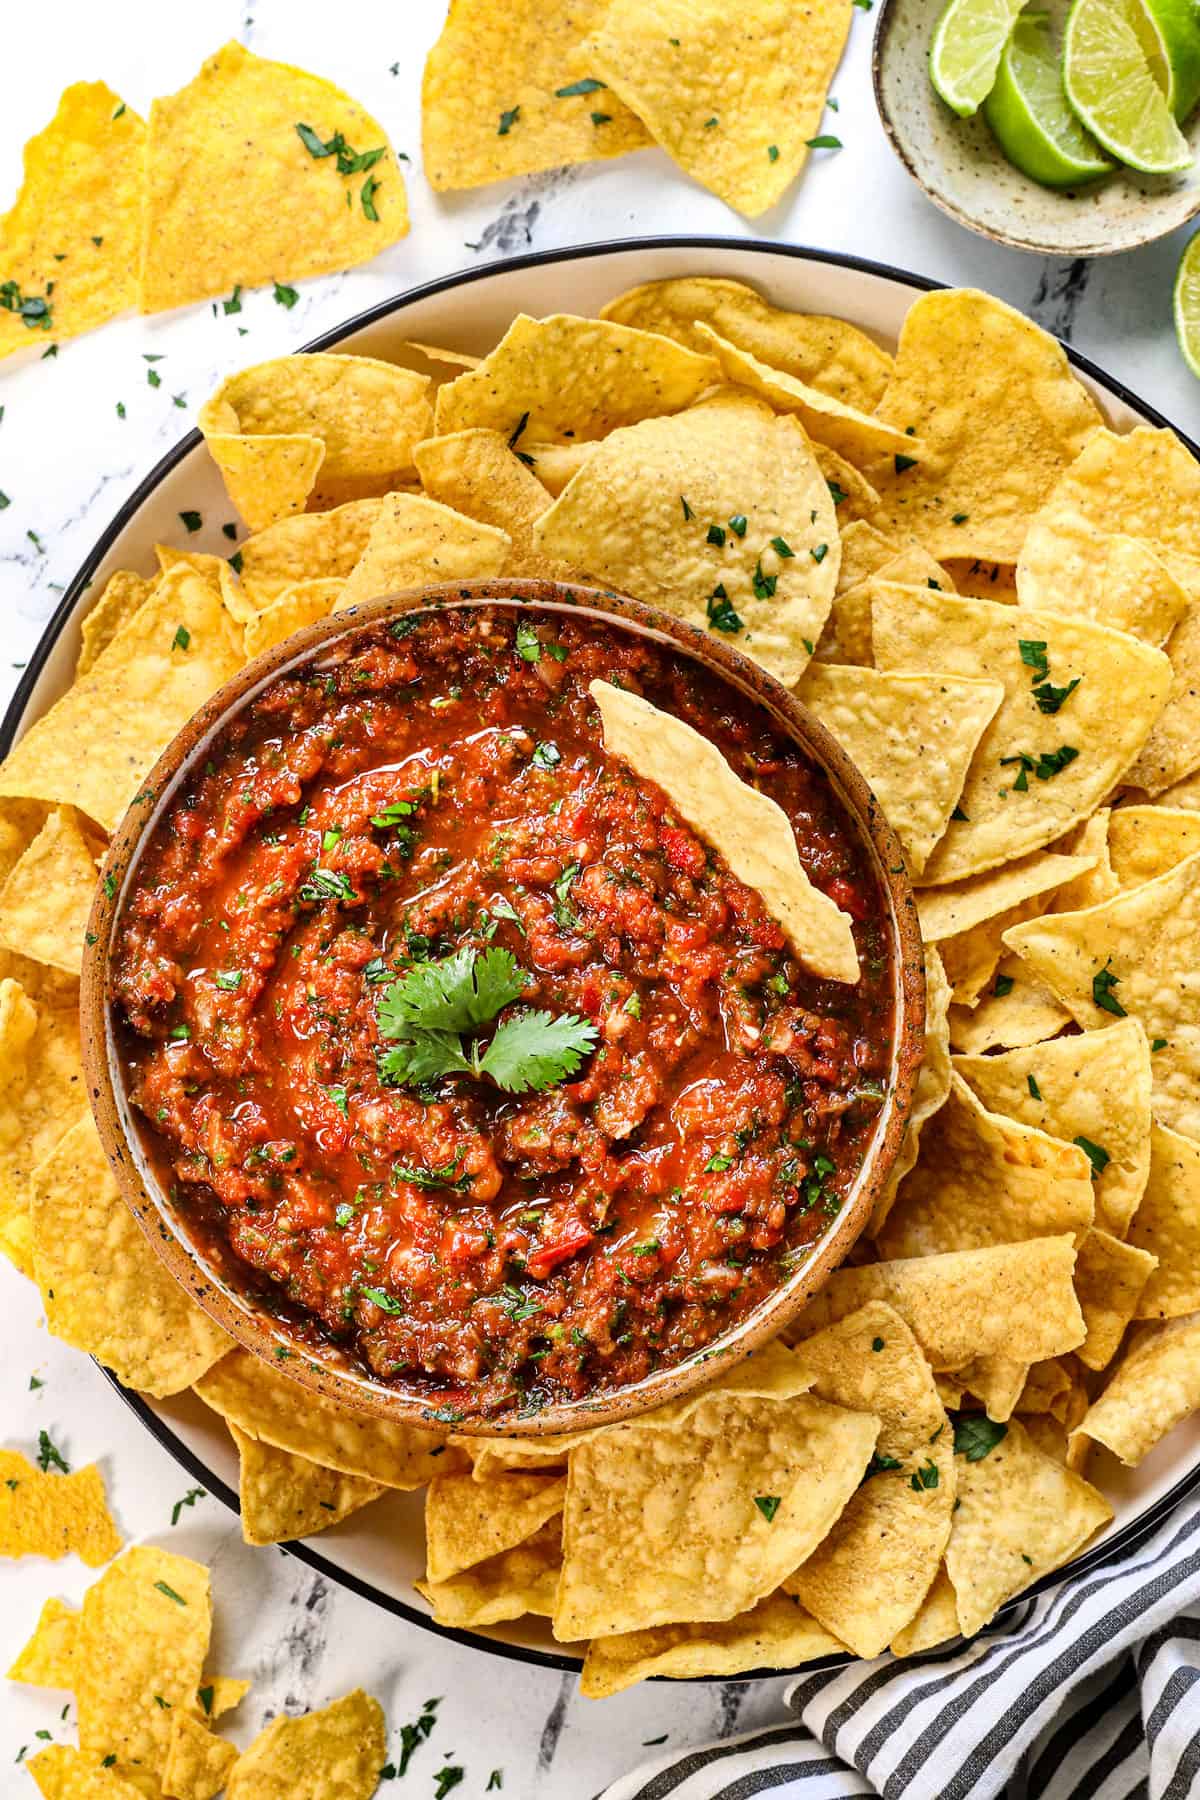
[{"x": 328, "y": 1370}]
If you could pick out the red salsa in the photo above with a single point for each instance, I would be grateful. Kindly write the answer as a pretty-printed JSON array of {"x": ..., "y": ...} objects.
[{"x": 370, "y": 845}]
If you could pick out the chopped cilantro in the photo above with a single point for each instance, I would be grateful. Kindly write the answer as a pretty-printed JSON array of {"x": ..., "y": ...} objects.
[
  {"x": 768, "y": 1505},
  {"x": 546, "y": 756},
  {"x": 507, "y": 121},
  {"x": 737, "y": 524},
  {"x": 170, "y": 1593},
  {"x": 1098, "y": 1158},
  {"x": 1002, "y": 985},
  {"x": 1103, "y": 983},
  {"x": 1034, "y": 1089},
  {"x": 716, "y": 1165},
  {"x": 716, "y": 534},
  {"x": 49, "y": 1457},
  {"x": 588, "y": 85},
  {"x": 1033, "y": 655},
  {"x": 773, "y": 153},
  {"x": 234, "y": 302},
  {"x": 904, "y": 462},
  {"x": 529, "y": 647},
  {"x": 285, "y": 295},
  {"x": 975, "y": 1436},
  {"x": 825, "y": 142},
  {"x": 370, "y": 188},
  {"x": 229, "y": 980},
  {"x": 687, "y": 511},
  {"x": 925, "y": 1477}
]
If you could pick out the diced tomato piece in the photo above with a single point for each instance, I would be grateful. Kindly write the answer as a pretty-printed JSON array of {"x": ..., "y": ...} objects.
[
  {"x": 682, "y": 851},
  {"x": 572, "y": 1236}
]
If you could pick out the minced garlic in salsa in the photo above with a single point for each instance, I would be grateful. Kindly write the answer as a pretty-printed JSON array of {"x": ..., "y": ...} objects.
[{"x": 459, "y": 1048}]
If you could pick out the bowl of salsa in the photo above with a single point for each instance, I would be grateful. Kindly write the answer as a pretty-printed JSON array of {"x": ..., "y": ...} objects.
[{"x": 440, "y": 1055}]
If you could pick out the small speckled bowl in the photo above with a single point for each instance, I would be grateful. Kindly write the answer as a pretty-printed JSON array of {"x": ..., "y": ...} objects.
[{"x": 962, "y": 169}]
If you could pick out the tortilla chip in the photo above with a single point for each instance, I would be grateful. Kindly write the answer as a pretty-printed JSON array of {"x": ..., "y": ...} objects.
[
  {"x": 54, "y": 1515},
  {"x": 104, "y": 1289},
  {"x": 123, "y": 593},
  {"x": 912, "y": 736},
  {"x": 775, "y": 1634},
  {"x": 828, "y": 354},
  {"x": 284, "y": 1497},
  {"x": 1146, "y": 841},
  {"x": 468, "y": 1522},
  {"x": 478, "y": 474},
  {"x": 41, "y": 1085},
  {"x": 320, "y": 546},
  {"x": 847, "y": 637},
  {"x": 1110, "y": 1279},
  {"x": 337, "y": 1752},
  {"x": 555, "y": 464},
  {"x": 1156, "y": 1384},
  {"x": 508, "y": 91},
  {"x": 1070, "y": 565},
  {"x": 263, "y": 1404},
  {"x": 1015, "y": 799},
  {"x": 95, "y": 746},
  {"x": 1014, "y": 1298},
  {"x": 744, "y": 826},
  {"x": 933, "y": 1082},
  {"x": 1185, "y": 793},
  {"x": 983, "y": 1179},
  {"x": 735, "y": 109},
  {"x": 1172, "y": 749},
  {"x": 935, "y": 1622},
  {"x": 1167, "y": 1224},
  {"x": 233, "y": 194},
  {"x": 967, "y": 919},
  {"x": 637, "y": 517},
  {"x": 415, "y": 541},
  {"x": 854, "y": 499},
  {"x": 69, "y": 243},
  {"x": 274, "y": 427},
  {"x": 48, "y": 1659},
  {"x": 198, "y": 1761},
  {"x": 45, "y": 901},
  {"x": 1146, "y": 481},
  {"x": 1016, "y": 1012},
  {"x": 866, "y": 1581},
  {"x": 517, "y": 1581},
  {"x": 754, "y": 1483},
  {"x": 1097, "y": 883},
  {"x": 218, "y": 1694},
  {"x": 1000, "y": 415},
  {"x": 1135, "y": 953},
  {"x": 1045, "y": 1386},
  {"x": 143, "y": 1637},
  {"x": 295, "y": 608},
  {"x": 61, "y": 1773},
  {"x": 567, "y": 377},
  {"x": 997, "y": 1382},
  {"x": 865, "y": 551},
  {"x": 1020, "y": 1514}
]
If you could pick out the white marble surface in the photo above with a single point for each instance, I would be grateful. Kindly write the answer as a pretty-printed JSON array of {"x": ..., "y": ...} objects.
[{"x": 67, "y": 461}]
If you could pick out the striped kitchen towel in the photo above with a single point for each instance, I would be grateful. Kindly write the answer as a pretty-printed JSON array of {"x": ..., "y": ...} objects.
[{"x": 1090, "y": 1692}]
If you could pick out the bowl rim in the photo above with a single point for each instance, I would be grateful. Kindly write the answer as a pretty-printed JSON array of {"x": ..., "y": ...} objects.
[{"x": 324, "y": 1370}]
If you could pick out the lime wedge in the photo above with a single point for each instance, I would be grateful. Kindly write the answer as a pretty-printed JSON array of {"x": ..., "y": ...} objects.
[
  {"x": 1187, "y": 305},
  {"x": 968, "y": 43},
  {"x": 1116, "y": 74},
  {"x": 1173, "y": 38},
  {"x": 1029, "y": 116}
]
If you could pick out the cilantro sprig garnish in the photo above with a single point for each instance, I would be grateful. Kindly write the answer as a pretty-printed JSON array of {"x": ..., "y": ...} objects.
[{"x": 429, "y": 1015}]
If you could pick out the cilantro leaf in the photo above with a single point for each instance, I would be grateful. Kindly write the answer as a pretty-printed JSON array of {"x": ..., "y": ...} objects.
[
  {"x": 453, "y": 995},
  {"x": 975, "y": 1436},
  {"x": 535, "y": 1049},
  {"x": 423, "y": 1057}
]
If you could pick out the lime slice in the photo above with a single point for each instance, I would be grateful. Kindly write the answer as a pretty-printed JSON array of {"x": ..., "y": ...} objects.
[
  {"x": 1117, "y": 83},
  {"x": 1029, "y": 116},
  {"x": 968, "y": 43},
  {"x": 1187, "y": 305},
  {"x": 1173, "y": 43}
]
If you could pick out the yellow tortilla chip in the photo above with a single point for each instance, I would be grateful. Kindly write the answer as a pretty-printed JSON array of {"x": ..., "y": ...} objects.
[
  {"x": 338, "y": 1752},
  {"x": 476, "y": 473},
  {"x": 912, "y": 736},
  {"x": 48, "y": 1659},
  {"x": 1070, "y": 565},
  {"x": 94, "y": 747},
  {"x": 847, "y": 637},
  {"x": 828, "y": 354},
  {"x": 69, "y": 243},
  {"x": 1014, "y": 1298},
  {"x": 104, "y": 1288},
  {"x": 1133, "y": 954},
  {"x": 45, "y": 901},
  {"x": 517, "y": 1581},
  {"x": 1146, "y": 482},
  {"x": 1156, "y": 1384},
  {"x": 275, "y": 427},
  {"x": 967, "y": 919},
  {"x": 1146, "y": 841},
  {"x": 1172, "y": 749},
  {"x": 933, "y": 1082},
  {"x": 1045, "y": 1386},
  {"x": 637, "y": 518},
  {"x": 41, "y": 1086},
  {"x": 219, "y": 1694},
  {"x": 1092, "y": 1089},
  {"x": 123, "y": 593},
  {"x": 997, "y": 1381},
  {"x": 62, "y": 1773},
  {"x": 54, "y": 1514},
  {"x": 295, "y": 608},
  {"x": 775, "y": 1634},
  {"x": 555, "y": 464},
  {"x": 1167, "y": 1224},
  {"x": 1000, "y": 415},
  {"x": 744, "y": 826},
  {"x": 982, "y": 580},
  {"x": 1015, "y": 1012},
  {"x": 1036, "y": 772},
  {"x": 468, "y": 1521},
  {"x": 754, "y": 1483},
  {"x": 734, "y": 108},
  {"x": 198, "y": 1762},
  {"x": 854, "y": 499},
  {"x": 1185, "y": 793},
  {"x": 509, "y": 91},
  {"x": 866, "y": 1581},
  {"x": 320, "y": 546},
  {"x": 1110, "y": 1279},
  {"x": 983, "y": 1179},
  {"x": 415, "y": 541},
  {"x": 263, "y": 1404},
  {"x": 864, "y": 553},
  {"x": 1020, "y": 1514},
  {"x": 226, "y": 150},
  {"x": 284, "y": 1496},
  {"x": 567, "y": 377},
  {"x": 143, "y": 1637},
  {"x": 936, "y": 1621},
  {"x": 1097, "y": 883}
]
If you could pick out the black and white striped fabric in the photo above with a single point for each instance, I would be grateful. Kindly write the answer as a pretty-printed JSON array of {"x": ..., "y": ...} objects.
[{"x": 1091, "y": 1692}]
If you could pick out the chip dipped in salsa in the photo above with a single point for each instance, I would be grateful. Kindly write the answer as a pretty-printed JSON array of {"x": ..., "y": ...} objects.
[{"x": 459, "y": 1048}]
